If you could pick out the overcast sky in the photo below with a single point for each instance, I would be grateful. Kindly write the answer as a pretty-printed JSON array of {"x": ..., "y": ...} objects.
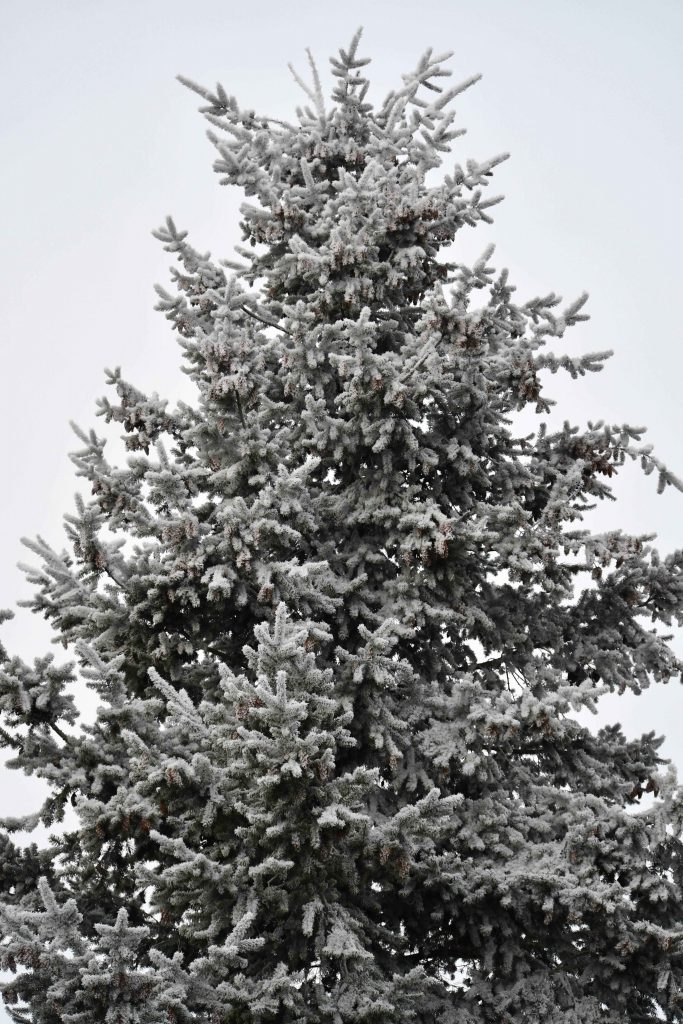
[{"x": 98, "y": 143}]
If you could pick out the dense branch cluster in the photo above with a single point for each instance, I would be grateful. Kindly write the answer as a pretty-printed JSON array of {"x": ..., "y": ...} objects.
[{"x": 340, "y": 617}]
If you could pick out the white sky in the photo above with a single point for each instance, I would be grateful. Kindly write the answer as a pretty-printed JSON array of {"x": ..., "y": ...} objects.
[{"x": 98, "y": 143}]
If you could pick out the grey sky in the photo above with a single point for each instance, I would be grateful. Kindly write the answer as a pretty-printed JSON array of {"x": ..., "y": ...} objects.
[{"x": 98, "y": 143}]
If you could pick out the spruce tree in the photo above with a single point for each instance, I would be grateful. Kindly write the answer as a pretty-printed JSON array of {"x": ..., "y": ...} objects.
[{"x": 340, "y": 616}]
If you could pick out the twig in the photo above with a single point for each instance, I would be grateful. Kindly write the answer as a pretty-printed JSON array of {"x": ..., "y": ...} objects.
[
  {"x": 238, "y": 402},
  {"x": 263, "y": 320},
  {"x": 492, "y": 663},
  {"x": 428, "y": 347},
  {"x": 62, "y": 735},
  {"x": 117, "y": 581}
]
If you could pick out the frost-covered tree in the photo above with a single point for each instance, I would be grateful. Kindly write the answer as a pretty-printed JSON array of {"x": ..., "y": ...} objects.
[{"x": 340, "y": 616}]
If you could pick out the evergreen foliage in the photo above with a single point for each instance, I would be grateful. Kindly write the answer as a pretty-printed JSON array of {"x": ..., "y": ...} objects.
[{"x": 340, "y": 617}]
